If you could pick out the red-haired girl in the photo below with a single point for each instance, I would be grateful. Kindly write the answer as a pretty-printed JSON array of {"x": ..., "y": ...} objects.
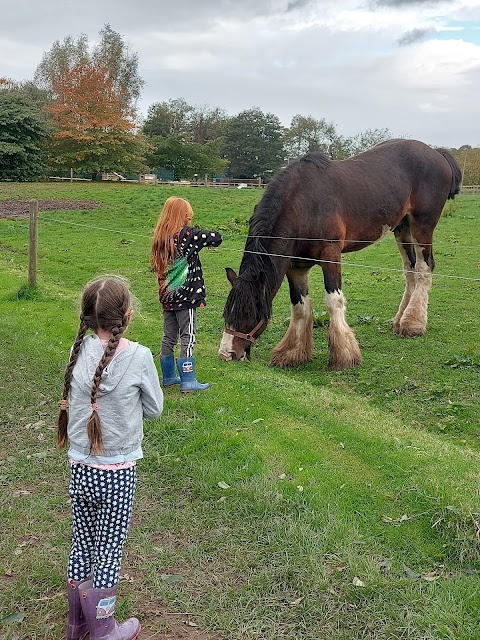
[{"x": 175, "y": 260}]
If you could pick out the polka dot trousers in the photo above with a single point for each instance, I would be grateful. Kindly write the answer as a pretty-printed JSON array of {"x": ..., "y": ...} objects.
[{"x": 102, "y": 504}]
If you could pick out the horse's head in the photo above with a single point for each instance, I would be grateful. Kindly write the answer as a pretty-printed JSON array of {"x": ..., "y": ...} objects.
[{"x": 245, "y": 314}]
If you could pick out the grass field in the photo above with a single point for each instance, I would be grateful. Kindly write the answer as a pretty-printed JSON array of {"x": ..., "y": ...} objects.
[{"x": 281, "y": 504}]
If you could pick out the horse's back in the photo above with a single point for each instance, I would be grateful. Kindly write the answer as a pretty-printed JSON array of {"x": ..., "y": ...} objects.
[{"x": 427, "y": 168}]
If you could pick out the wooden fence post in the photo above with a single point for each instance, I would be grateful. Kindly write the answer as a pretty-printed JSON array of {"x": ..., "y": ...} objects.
[{"x": 33, "y": 243}]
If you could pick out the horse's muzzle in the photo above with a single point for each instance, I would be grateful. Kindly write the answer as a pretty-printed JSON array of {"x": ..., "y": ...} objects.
[{"x": 228, "y": 352}]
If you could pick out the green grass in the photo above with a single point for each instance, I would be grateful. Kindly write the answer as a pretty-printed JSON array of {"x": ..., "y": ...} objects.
[{"x": 352, "y": 507}]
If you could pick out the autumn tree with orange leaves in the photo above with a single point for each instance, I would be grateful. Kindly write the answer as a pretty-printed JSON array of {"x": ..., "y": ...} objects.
[
  {"x": 94, "y": 128},
  {"x": 92, "y": 104}
]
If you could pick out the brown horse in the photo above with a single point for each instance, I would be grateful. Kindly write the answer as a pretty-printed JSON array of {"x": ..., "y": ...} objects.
[{"x": 316, "y": 209}]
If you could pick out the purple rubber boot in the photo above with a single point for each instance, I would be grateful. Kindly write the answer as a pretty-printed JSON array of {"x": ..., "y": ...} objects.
[
  {"x": 77, "y": 628},
  {"x": 98, "y": 607}
]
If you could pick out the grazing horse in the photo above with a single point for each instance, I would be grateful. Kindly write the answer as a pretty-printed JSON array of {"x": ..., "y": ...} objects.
[{"x": 316, "y": 209}]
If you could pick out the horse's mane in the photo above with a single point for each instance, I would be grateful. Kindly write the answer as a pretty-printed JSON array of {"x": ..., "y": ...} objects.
[
  {"x": 320, "y": 160},
  {"x": 251, "y": 296},
  {"x": 250, "y": 299}
]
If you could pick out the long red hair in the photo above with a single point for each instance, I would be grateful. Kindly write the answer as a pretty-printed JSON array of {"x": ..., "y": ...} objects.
[{"x": 176, "y": 213}]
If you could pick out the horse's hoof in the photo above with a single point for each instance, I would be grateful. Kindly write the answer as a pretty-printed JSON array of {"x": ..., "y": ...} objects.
[
  {"x": 287, "y": 360},
  {"x": 410, "y": 331},
  {"x": 340, "y": 364}
]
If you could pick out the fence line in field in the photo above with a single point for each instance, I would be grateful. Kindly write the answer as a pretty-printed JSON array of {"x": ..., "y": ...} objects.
[{"x": 273, "y": 255}]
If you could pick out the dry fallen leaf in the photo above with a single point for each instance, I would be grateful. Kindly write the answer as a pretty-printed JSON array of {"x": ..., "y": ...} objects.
[{"x": 357, "y": 582}]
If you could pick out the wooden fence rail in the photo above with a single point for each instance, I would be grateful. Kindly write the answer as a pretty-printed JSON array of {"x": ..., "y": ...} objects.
[{"x": 471, "y": 188}]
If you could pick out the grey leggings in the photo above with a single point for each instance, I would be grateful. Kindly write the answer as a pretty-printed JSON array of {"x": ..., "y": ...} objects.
[{"x": 181, "y": 324}]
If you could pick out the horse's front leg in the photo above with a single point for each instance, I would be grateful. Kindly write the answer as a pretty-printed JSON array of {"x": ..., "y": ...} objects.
[
  {"x": 344, "y": 352},
  {"x": 296, "y": 345}
]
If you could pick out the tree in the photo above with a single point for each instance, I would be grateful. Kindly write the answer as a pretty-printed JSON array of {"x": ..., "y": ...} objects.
[
  {"x": 253, "y": 144},
  {"x": 33, "y": 94},
  {"x": 185, "y": 157},
  {"x": 185, "y": 138},
  {"x": 468, "y": 159},
  {"x": 365, "y": 140},
  {"x": 207, "y": 124},
  {"x": 62, "y": 57},
  {"x": 22, "y": 130},
  {"x": 307, "y": 134},
  {"x": 167, "y": 118},
  {"x": 176, "y": 117},
  {"x": 92, "y": 129},
  {"x": 111, "y": 54},
  {"x": 114, "y": 55}
]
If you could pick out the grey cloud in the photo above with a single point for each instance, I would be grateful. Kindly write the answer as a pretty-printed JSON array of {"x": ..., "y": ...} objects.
[
  {"x": 404, "y": 3},
  {"x": 297, "y": 4},
  {"x": 415, "y": 35}
]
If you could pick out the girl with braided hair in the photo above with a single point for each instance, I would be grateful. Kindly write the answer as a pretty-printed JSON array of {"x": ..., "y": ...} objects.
[
  {"x": 111, "y": 385},
  {"x": 175, "y": 261}
]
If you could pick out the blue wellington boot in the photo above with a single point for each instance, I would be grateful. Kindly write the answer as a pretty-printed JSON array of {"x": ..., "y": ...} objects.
[
  {"x": 168, "y": 371},
  {"x": 186, "y": 369}
]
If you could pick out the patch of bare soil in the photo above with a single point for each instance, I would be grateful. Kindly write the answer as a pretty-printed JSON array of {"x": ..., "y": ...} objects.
[{"x": 20, "y": 208}]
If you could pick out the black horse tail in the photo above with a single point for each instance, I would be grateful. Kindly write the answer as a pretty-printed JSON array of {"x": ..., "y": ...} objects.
[{"x": 456, "y": 173}]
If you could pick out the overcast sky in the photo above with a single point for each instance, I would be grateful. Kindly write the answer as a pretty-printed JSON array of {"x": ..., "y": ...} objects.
[{"x": 412, "y": 66}]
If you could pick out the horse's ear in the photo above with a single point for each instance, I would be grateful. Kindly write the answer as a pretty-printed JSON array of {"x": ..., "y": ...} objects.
[{"x": 231, "y": 275}]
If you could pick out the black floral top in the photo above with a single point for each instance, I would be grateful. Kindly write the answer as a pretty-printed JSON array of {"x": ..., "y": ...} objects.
[{"x": 182, "y": 286}]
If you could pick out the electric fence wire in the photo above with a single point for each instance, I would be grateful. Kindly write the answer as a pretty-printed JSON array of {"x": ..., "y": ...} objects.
[{"x": 273, "y": 255}]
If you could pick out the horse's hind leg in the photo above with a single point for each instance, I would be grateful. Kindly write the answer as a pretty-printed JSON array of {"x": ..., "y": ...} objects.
[
  {"x": 406, "y": 248},
  {"x": 296, "y": 345},
  {"x": 415, "y": 245},
  {"x": 344, "y": 352}
]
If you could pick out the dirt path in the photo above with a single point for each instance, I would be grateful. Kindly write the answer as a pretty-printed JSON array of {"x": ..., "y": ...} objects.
[{"x": 20, "y": 208}]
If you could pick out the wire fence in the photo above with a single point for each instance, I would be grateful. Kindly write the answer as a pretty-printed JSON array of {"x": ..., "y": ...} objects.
[{"x": 110, "y": 230}]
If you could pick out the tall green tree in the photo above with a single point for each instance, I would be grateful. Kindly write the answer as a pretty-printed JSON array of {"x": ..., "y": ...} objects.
[
  {"x": 62, "y": 57},
  {"x": 185, "y": 138},
  {"x": 207, "y": 124},
  {"x": 177, "y": 117},
  {"x": 113, "y": 54},
  {"x": 364, "y": 140},
  {"x": 23, "y": 129},
  {"x": 253, "y": 144},
  {"x": 185, "y": 157},
  {"x": 168, "y": 118},
  {"x": 307, "y": 134}
]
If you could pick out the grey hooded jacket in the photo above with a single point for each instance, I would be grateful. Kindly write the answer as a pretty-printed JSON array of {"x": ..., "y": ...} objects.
[{"x": 129, "y": 391}]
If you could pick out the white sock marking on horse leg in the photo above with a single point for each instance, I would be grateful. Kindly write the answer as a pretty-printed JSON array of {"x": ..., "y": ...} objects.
[
  {"x": 409, "y": 287},
  {"x": 414, "y": 318},
  {"x": 344, "y": 349},
  {"x": 296, "y": 346}
]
